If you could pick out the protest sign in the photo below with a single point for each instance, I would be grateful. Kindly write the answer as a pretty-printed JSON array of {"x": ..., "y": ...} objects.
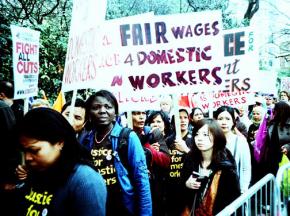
[
  {"x": 83, "y": 38},
  {"x": 141, "y": 54},
  {"x": 141, "y": 57},
  {"x": 240, "y": 76},
  {"x": 134, "y": 102},
  {"x": 83, "y": 44},
  {"x": 25, "y": 61},
  {"x": 212, "y": 100},
  {"x": 164, "y": 54},
  {"x": 241, "y": 65}
]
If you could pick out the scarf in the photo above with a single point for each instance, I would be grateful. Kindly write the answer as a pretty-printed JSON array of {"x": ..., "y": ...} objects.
[{"x": 207, "y": 204}]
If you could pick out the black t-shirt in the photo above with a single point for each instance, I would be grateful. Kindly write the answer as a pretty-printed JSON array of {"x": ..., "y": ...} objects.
[
  {"x": 177, "y": 157},
  {"x": 103, "y": 160}
]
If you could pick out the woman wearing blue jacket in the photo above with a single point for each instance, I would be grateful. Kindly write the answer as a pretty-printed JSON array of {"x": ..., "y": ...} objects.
[
  {"x": 127, "y": 180},
  {"x": 60, "y": 179}
]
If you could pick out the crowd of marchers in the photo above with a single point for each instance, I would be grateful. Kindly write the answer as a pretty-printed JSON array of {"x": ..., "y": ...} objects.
[{"x": 97, "y": 161}]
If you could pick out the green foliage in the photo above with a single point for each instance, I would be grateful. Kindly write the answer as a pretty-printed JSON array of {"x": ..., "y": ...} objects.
[
  {"x": 52, "y": 19},
  {"x": 5, "y": 49},
  {"x": 52, "y": 57},
  {"x": 284, "y": 72},
  {"x": 124, "y": 8}
]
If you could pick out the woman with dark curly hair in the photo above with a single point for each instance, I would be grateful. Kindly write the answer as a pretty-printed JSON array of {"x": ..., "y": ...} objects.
[
  {"x": 160, "y": 120},
  {"x": 195, "y": 115}
]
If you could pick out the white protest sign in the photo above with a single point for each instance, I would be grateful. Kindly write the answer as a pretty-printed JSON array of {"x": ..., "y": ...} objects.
[
  {"x": 25, "y": 61},
  {"x": 164, "y": 54},
  {"x": 83, "y": 38},
  {"x": 239, "y": 78},
  {"x": 241, "y": 68},
  {"x": 138, "y": 55},
  {"x": 85, "y": 59},
  {"x": 83, "y": 45},
  {"x": 134, "y": 102},
  {"x": 213, "y": 100}
]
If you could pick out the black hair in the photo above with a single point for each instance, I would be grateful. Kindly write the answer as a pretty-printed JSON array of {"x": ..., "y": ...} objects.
[
  {"x": 153, "y": 114},
  {"x": 228, "y": 109},
  {"x": 285, "y": 93},
  {"x": 184, "y": 110},
  {"x": 106, "y": 94},
  {"x": 193, "y": 111},
  {"x": 46, "y": 124},
  {"x": 237, "y": 110},
  {"x": 173, "y": 117},
  {"x": 7, "y": 88},
  {"x": 78, "y": 103},
  {"x": 281, "y": 113},
  {"x": 192, "y": 114},
  {"x": 219, "y": 141}
]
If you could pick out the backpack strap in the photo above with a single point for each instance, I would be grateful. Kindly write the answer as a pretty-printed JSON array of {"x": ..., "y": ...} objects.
[
  {"x": 236, "y": 144},
  {"x": 122, "y": 147}
]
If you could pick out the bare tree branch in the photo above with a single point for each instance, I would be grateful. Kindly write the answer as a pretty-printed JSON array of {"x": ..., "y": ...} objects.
[
  {"x": 253, "y": 7},
  {"x": 51, "y": 10},
  {"x": 133, "y": 5}
]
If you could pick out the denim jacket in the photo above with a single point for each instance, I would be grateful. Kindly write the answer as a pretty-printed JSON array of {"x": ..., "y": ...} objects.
[{"x": 135, "y": 190}]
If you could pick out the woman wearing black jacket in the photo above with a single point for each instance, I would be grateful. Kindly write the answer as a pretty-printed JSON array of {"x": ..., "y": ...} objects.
[
  {"x": 209, "y": 172},
  {"x": 278, "y": 139}
]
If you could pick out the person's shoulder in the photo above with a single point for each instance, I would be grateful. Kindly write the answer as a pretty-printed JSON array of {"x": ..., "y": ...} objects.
[
  {"x": 241, "y": 138},
  {"x": 3, "y": 104},
  {"x": 116, "y": 130},
  {"x": 84, "y": 181},
  {"x": 85, "y": 172},
  {"x": 230, "y": 176},
  {"x": 147, "y": 129},
  {"x": 227, "y": 163},
  {"x": 252, "y": 126}
]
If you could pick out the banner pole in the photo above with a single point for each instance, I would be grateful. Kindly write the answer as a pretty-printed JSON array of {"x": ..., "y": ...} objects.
[
  {"x": 26, "y": 105},
  {"x": 129, "y": 119},
  {"x": 176, "y": 117},
  {"x": 72, "y": 105}
]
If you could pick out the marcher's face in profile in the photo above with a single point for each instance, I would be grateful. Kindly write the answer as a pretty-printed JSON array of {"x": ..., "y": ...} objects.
[
  {"x": 39, "y": 154},
  {"x": 225, "y": 120},
  {"x": 78, "y": 120},
  {"x": 184, "y": 121},
  {"x": 138, "y": 119},
  {"x": 102, "y": 112},
  {"x": 283, "y": 97},
  {"x": 197, "y": 115},
  {"x": 203, "y": 139},
  {"x": 158, "y": 122}
]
